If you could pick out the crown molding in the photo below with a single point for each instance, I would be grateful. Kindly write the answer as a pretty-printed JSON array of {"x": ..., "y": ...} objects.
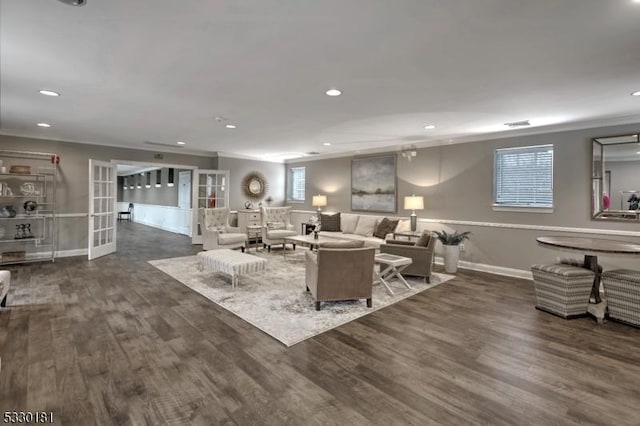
[
  {"x": 555, "y": 128},
  {"x": 167, "y": 150},
  {"x": 222, "y": 154}
]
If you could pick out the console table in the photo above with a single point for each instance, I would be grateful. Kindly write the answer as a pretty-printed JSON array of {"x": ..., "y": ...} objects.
[{"x": 591, "y": 248}]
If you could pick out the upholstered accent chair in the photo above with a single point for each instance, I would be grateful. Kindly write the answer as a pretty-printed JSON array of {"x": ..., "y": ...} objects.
[
  {"x": 216, "y": 231},
  {"x": 276, "y": 226},
  {"x": 340, "y": 274},
  {"x": 421, "y": 252},
  {"x": 5, "y": 281}
]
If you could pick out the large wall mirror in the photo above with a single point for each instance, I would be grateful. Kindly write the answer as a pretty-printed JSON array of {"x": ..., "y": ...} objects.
[{"x": 614, "y": 178}]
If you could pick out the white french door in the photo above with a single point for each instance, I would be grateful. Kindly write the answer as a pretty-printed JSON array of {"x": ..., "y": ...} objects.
[
  {"x": 210, "y": 189},
  {"x": 102, "y": 202}
]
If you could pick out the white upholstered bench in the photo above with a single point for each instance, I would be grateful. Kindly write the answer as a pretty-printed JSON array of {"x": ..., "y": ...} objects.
[{"x": 231, "y": 262}]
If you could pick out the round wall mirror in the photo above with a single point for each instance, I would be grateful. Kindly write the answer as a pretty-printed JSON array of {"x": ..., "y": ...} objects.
[{"x": 255, "y": 186}]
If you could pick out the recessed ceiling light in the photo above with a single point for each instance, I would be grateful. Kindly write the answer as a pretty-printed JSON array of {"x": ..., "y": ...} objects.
[
  {"x": 638, "y": 152},
  {"x": 327, "y": 144},
  {"x": 230, "y": 126},
  {"x": 430, "y": 127},
  {"x": 43, "y": 125},
  {"x": 333, "y": 92},
  {"x": 638, "y": 92},
  {"x": 181, "y": 143},
  {"x": 48, "y": 93}
]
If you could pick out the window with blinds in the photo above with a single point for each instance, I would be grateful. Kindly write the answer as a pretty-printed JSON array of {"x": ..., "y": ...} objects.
[
  {"x": 524, "y": 176},
  {"x": 295, "y": 184}
]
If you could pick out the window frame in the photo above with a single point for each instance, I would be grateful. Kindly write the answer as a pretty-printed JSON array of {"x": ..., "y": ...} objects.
[
  {"x": 291, "y": 184},
  {"x": 516, "y": 207}
]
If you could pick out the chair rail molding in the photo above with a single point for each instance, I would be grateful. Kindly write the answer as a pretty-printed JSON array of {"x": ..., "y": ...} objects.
[{"x": 566, "y": 229}]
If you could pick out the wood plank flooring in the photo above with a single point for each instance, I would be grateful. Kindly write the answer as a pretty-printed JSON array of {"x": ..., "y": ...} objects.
[{"x": 116, "y": 341}]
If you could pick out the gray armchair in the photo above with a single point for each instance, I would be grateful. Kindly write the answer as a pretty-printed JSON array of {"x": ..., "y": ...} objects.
[
  {"x": 216, "y": 231},
  {"x": 422, "y": 256},
  {"x": 276, "y": 226},
  {"x": 340, "y": 274}
]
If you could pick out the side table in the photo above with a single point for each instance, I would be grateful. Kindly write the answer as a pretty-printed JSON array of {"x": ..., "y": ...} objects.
[
  {"x": 407, "y": 234},
  {"x": 254, "y": 232},
  {"x": 395, "y": 265},
  {"x": 308, "y": 227}
]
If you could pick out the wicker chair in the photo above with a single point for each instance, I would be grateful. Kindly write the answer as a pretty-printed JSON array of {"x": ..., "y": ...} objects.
[{"x": 622, "y": 290}]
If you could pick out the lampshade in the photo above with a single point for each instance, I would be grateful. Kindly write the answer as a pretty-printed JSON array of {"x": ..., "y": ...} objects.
[
  {"x": 414, "y": 202},
  {"x": 319, "y": 201}
]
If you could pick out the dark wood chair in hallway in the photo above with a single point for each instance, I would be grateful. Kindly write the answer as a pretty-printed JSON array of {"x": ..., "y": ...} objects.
[{"x": 126, "y": 214}]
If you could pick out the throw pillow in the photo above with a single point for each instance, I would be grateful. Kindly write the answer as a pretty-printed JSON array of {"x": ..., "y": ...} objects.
[
  {"x": 275, "y": 225},
  {"x": 330, "y": 222},
  {"x": 348, "y": 223},
  {"x": 366, "y": 226},
  {"x": 386, "y": 226},
  {"x": 424, "y": 239},
  {"x": 404, "y": 225}
]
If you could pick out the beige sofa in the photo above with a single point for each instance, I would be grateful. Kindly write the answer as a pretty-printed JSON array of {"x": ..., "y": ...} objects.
[{"x": 361, "y": 228}]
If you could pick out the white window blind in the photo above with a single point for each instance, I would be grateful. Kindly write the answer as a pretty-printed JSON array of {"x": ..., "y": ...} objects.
[
  {"x": 524, "y": 176},
  {"x": 296, "y": 184}
]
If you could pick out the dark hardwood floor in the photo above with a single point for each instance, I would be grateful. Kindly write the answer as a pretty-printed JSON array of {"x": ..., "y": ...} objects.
[{"x": 116, "y": 341}]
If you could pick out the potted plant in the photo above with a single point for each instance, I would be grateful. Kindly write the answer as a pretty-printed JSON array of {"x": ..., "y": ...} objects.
[{"x": 451, "y": 245}]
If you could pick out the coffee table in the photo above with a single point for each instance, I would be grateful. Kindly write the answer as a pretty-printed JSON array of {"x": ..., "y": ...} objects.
[
  {"x": 395, "y": 265},
  {"x": 307, "y": 240}
]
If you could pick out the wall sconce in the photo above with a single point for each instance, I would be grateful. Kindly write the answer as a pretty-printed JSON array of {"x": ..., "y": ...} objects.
[
  {"x": 414, "y": 202},
  {"x": 148, "y": 178},
  {"x": 170, "y": 179},
  {"x": 125, "y": 185},
  {"x": 158, "y": 178},
  {"x": 139, "y": 181}
]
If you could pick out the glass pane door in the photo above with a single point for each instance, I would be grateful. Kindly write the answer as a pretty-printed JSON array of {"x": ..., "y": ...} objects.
[
  {"x": 102, "y": 194},
  {"x": 210, "y": 191}
]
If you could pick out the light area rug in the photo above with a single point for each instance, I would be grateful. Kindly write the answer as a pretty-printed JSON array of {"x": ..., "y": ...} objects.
[{"x": 276, "y": 301}]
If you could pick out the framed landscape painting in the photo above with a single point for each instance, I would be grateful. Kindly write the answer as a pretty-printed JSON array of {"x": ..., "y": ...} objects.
[{"x": 373, "y": 184}]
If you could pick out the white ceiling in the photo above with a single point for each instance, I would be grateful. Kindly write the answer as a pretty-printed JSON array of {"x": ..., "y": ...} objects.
[{"x": 162, "y": 70}]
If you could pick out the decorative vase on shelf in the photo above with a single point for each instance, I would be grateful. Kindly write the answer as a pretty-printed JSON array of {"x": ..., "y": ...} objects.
[{"x": 8, "y": 211}]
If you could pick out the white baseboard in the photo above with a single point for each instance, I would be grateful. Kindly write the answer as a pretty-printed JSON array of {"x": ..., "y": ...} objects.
[
  {"x": 176, "y": 230},
  {"x": 492, "y": 269},
  {"x": 71, "y": 253}
]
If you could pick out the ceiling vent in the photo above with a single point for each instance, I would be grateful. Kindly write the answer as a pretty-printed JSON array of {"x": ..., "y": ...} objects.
[
  {"x": 522, "y": 123},
  {"x": 162, "y": 144},
  {"x": 74, "y": 2},
  {"x": 312, "y": 153}
]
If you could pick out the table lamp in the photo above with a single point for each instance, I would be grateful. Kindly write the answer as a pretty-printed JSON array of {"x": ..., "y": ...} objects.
[
  {"x": 319, "y": 201},
  {"x": 414, "y": 202}
]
